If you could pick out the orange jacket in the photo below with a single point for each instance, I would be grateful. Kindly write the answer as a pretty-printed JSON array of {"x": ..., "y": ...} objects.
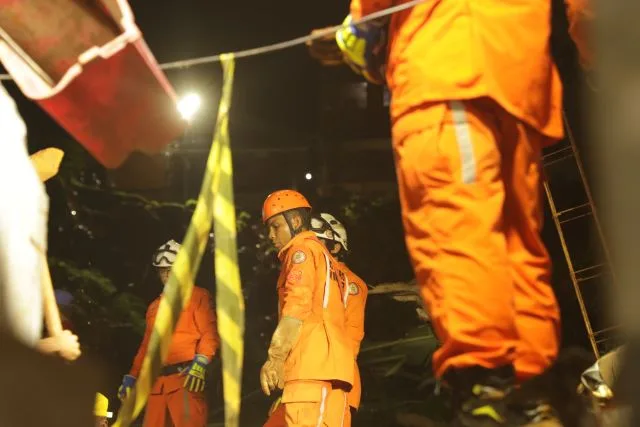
[
  {"x": 310, "y": 289},
  {"x": 580, "y": 13},
  {"x": 196, "y": 331},
  {"x": 443, "y": 50},
  {"x": 354, "y": 320}
]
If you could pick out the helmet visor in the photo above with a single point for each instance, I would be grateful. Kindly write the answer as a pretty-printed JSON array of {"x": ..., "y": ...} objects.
[{"x": 164, "y": 258}]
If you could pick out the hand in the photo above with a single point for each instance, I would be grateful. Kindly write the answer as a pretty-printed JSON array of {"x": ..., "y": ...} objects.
[
  {"x": 364, "y": 48},
  {"x": 272, "y": 375},
  {"x": 325, "y": 49},
  {"x": 195, "y": 373},
  {"x": 66, "y": 344},
  {"x": 128, "y": 381},
  {"x": 284, "y": 338}
]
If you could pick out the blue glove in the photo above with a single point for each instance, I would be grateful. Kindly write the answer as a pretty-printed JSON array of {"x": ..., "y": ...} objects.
[
  {"x": 128, "y": 381},
  {"x": 363, "y": 47},
  {"x": 195, "y": 373}
]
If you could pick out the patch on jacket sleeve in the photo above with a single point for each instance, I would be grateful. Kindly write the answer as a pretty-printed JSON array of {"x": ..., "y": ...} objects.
[
  {"x": 295, "y": 276},
  {"x": 353, "y": 289},
  {"x": 299, "y": 257}
]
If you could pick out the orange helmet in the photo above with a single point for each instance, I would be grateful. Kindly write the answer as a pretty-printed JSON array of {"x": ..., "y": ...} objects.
[{"x": 282, "y": 201}]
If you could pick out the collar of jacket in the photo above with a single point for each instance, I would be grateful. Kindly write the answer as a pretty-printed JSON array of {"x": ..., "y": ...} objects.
[{"x": 297, "y": 238}]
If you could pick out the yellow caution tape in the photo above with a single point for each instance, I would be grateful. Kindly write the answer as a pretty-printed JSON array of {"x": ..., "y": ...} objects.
[
  {"x": 229, "y": 299},
  {"x": 214, "y": 203}
]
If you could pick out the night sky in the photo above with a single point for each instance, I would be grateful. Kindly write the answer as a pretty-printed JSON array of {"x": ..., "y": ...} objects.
[{"x": 276, "y": 90}]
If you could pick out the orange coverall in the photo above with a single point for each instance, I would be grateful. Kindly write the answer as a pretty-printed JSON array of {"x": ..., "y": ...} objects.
[
  {"x": 319, "y": 370},
  {"x": 354, "y": 321},
  {"x": 354, "y": 318},
  {"x": 196, "y": 333},
  {"x": 475, "y": 97}
]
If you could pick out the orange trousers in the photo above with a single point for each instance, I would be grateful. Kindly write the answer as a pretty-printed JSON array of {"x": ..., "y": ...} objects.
[
  {"x": 311, "y": 404},
  {"x": 176, "y": 408},
  {"x": 277, "y": 418},
  {"x": 469, "y": 179}
]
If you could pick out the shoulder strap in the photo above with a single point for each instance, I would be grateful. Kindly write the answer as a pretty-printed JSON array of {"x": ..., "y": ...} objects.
[{"x": 327, "y": 284}]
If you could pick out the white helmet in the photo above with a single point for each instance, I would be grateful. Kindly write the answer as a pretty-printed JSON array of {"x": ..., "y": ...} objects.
[
  {"x": 166, "y": 254},
  {"x": 329, "y": 228}
]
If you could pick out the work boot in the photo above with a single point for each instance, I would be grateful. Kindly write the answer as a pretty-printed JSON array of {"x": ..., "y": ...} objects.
[
  {"x": 593, "y": 385},
  {"x": 533, "y": 414},
  {"x": 478, "y": 395},
  {"x": 553, "y": 394}
]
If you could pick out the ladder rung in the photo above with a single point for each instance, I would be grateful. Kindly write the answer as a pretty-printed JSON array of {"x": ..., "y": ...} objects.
[
  {"x": 587, "y": 278},
  {"x": 559, "y": 159},
  {"x": 562, "y": 212},
  {"x": 557, "y": 156},
  {"x": 559, "y": 148},
  {"x": 602, "y": 340},
  {"x": 573, "y": 218},
  {"x": 606, "y": 330},
  {"x": 593, "y": 267},
  {"x": 574, "y": 213},
  {"x": 588, "y": 273}
]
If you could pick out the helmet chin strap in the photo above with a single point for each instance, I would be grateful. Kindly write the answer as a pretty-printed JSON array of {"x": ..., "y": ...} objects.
[
  {"x": 290, "y": 225},
  {"x": 338, "y": 255}
]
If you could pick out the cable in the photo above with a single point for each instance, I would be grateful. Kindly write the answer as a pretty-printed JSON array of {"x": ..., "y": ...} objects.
[{"x": 275, "y": 46}]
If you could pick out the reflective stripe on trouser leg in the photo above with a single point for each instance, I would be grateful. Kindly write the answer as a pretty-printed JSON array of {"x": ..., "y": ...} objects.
[
  {"x": 345, "y": 408},
  {"x": 323, "y": 404},
  {"x": 465, "y": 145}
]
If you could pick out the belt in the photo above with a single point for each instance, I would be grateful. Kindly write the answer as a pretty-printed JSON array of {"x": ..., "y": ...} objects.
[{"x": 176, "y": 368}]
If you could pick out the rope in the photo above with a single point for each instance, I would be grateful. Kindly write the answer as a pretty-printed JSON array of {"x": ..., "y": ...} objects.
[{"x": 275, "y": 46}]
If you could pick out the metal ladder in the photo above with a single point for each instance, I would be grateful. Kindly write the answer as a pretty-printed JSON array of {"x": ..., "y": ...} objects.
[{"x": 572, "y": 215}]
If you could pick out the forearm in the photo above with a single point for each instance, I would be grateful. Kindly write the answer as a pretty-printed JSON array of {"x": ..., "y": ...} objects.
[
  {"x": 284, "y": 337},
  {"x": 48, "y": 345}
]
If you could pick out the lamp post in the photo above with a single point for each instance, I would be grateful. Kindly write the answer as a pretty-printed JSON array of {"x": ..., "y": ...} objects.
[{"x": 188, "y": 106}]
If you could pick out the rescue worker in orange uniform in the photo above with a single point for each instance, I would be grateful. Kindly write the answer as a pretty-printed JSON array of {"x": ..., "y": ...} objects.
[
  {"x": 334, "y": 236},
  {"x": 475, "y": 98},
  {"x": 310, "y": 357},
  {"x": 177, "y": 397}
]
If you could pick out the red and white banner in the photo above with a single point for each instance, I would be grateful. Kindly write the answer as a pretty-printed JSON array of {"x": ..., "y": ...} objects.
[{"x": 87, "y": 64}]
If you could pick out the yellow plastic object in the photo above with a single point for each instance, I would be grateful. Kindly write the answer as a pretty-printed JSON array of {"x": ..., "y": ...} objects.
[
  {"x": 47, "y": 162},
  {"x": 101, "y": 408}
]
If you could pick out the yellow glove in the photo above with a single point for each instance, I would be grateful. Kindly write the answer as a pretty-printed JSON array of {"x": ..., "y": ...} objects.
[
  {"x": 283, "y": 340},
  {"x": 363, "y": 48},
  {"x": 195, "y": 374}
]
